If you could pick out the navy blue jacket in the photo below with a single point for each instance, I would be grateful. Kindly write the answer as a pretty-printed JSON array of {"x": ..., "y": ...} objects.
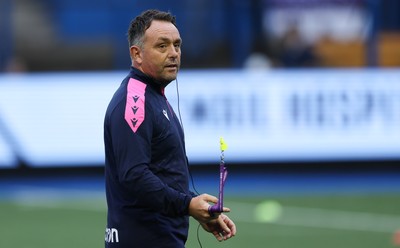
[{"x": 147, "y": 177}]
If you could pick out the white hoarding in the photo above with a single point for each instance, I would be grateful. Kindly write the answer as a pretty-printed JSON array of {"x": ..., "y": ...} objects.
[
  {"x": 278, "y": 115},
  {"x": 7, "y": 159}
]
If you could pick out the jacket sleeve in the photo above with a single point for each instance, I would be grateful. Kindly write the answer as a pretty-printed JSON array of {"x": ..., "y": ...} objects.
[{"x": 132, "y": 156}]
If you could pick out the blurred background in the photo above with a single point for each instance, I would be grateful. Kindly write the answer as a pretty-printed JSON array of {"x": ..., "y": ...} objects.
[
  {"x": 305, "y": 92},
  {"x": 75, "y": 35}
]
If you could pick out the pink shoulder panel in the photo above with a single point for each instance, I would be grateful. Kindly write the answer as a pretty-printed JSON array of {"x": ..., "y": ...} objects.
[{"x": 134, "y": 109}]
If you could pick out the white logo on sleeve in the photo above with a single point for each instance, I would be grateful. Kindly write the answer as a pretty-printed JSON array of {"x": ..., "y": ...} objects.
[{"x": 111, "y": 235}]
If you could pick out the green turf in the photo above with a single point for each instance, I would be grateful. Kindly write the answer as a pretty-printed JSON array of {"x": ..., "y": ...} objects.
[
  {"x": 305, "y": 222},
  {"x": 25, "y": 226}
]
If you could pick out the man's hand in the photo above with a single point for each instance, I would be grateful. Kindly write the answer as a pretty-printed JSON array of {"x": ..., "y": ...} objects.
[
  {"x": 198, "y": 208},
  {"x": 222, "y": 228},
  {"x": 218, "y": 224}
]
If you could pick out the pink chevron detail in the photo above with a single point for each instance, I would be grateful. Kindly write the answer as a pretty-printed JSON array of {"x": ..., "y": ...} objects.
[{"x": 134, "y": 108}]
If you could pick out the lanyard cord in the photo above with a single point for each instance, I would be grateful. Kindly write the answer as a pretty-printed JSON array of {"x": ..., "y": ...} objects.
[
  {"x": 190, "y": 173},
  {"x": 179, "y": 107}
]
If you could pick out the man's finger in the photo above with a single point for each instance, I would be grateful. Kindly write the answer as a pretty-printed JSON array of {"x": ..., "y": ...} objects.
[
  {"x": 230, "y": 224},
  {"x": 226, "y": 210},
  {"x": 210, "y": 198},
  {"x": 223, "y": 225},
  {"x": 218, "y": 236}
]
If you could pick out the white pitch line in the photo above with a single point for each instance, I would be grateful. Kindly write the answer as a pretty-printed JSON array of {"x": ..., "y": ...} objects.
[
  {"x": 43, "y": 197},
  {"x": 345, "y": 220},
  {"x": 67, "y": 205},
  {"x": 320, "y": 218},
  {"x": 241, "y": 212}
]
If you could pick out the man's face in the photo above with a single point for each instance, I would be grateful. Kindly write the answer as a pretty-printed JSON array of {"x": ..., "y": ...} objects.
[{"x": 161, "y": 53}]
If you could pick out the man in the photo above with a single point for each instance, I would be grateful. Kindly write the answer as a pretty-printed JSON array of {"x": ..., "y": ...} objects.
[{"x": 147, "y": 186}]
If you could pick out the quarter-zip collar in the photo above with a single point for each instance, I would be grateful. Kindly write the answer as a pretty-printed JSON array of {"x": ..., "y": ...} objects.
[{"x": 137, "y": 74}]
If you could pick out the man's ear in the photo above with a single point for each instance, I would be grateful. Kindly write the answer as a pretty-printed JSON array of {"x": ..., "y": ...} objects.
[{"x": 136, "y": 55}]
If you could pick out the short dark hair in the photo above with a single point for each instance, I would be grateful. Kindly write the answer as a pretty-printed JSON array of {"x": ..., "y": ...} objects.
[{"x": 142, "y": 22}]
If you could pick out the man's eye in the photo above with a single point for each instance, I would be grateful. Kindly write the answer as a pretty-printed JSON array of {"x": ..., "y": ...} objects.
[{"x": 162, "y": 46}]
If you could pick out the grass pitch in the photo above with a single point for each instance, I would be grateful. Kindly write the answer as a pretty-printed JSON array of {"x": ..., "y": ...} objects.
[{"x": 356, "y": 221}]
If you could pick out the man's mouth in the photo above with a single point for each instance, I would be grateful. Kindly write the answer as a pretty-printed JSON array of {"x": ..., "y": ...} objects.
[{"x": 172, "y": 66}]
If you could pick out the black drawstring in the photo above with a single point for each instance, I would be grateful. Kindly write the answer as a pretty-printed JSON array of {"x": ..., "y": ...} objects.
[
  {"x": 190, "y": 173},
  {"x": 179, "y": 107}
]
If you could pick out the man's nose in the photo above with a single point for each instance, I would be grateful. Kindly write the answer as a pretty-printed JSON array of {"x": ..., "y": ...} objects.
[{"x": 173, "y": 51}]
